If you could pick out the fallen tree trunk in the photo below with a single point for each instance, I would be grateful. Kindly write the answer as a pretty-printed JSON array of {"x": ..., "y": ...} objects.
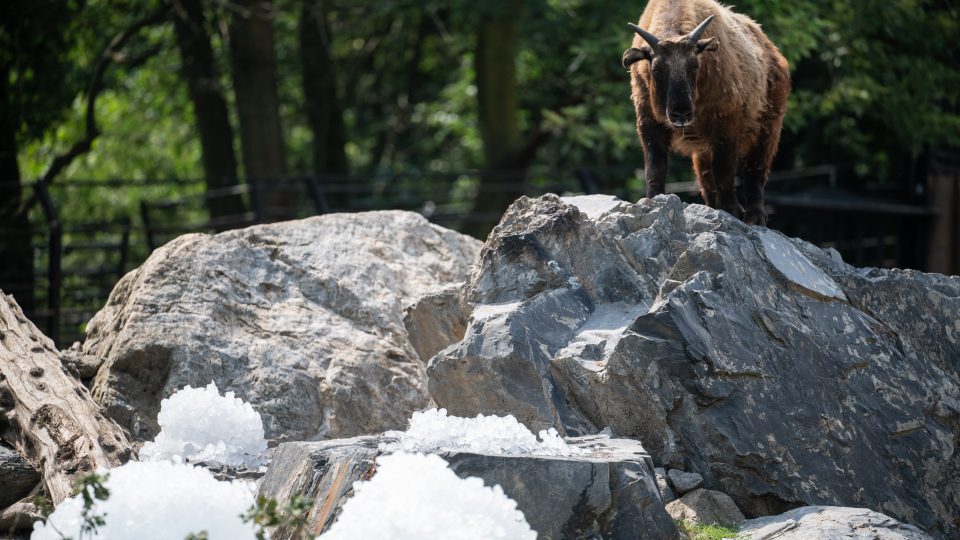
[{"x": 48, "y": 415}]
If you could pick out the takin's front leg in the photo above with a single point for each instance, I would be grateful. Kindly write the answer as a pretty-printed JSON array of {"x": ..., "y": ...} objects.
[
  {"x": 756, "y": 169},
  {"x": 703, "y": 168},
  {"x": 755, "y": 172},
  {"x": 724, "y": 174},
  {"x": 656, "y": 145}
]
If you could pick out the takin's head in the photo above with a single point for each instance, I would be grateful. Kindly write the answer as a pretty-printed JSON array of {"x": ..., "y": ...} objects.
[{"x": 673, "y": 69}]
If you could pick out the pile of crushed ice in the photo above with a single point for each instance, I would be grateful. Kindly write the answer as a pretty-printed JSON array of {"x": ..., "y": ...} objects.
[
  {"x": 433, "y": 431},
  {"x": 411, "y": 496},
  {"x": 198, "y": 424},
  {"x": 417, "y": 497},
  {"x": 159, "y": 500}
]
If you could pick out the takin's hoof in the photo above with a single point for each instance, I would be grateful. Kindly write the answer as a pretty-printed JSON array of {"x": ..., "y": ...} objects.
[
  {"x": 755, "y": 216},
  {"x": 733, "y": 209}
]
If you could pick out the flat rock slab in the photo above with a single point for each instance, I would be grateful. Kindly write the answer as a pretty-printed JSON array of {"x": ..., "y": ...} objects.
[
  {"x": 304, "y": 320},
  {"x": 782, "y": 375},
  {"x": 829, "y": 523},
  {"x": 609, "y": 492}
]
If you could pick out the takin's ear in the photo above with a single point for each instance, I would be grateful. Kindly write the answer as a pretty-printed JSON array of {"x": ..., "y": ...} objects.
[
  {"x": 709, "y": 44},
  {"x": 633, "y": 55}
]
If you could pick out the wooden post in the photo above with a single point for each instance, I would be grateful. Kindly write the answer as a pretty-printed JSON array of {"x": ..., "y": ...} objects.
[
  {"x": 944, "y": 192},
  {"x": 47, "y": 414}
]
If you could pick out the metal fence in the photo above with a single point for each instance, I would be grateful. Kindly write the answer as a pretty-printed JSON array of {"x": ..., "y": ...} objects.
[{"x": 77, "y": 263}]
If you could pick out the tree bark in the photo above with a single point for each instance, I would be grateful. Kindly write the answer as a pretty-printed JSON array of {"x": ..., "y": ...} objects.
[
  {"x": 16, "y": 249},
  {"x": 48, "y": 415},
  {"x": 502, "y": 178},
  {"x": 323, "y": 108},
  {"x": 258, "y": 105},
  {"x": 209, "y": 106}
]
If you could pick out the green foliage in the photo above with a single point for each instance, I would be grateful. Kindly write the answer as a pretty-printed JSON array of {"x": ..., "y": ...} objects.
[
  {"x": 267, "y": 513},
  {"x": 92, "y": 489},
  {"x": 874, "y": 85},
  {"x": 37, "y": 45},
  {"x": 698, "y": 531},
  {"x": 202, "y": 535},
  {"x": 44, "y": 505}
]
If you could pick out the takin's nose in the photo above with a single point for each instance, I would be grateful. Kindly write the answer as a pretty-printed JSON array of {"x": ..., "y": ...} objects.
[{"x": 681, "y": 116}]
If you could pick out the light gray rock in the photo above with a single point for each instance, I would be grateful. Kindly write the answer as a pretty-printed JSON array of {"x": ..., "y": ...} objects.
[
  {"x": 779, "y": 373},
  {"x": 684, "y": 481},
  {"x": 435, "y": 321},
  {"x": 82, "y": 366},
  {"x": 610, "y": 492},
  {"x": 17, "y": 477},
  {"x": 828, "y": 523},
  {"x": 705, "y": 507},
  {"x": 303, "y": 319}
]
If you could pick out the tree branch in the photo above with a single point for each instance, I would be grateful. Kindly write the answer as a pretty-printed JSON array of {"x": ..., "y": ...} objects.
[{"x": 111, "y": 55}]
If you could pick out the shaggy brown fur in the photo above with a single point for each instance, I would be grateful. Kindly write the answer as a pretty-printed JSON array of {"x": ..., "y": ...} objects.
[{"x": 739, "y": 96}]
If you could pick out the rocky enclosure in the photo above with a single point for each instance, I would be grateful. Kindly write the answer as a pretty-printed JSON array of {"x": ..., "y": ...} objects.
[
  {"x": 303, "y": 319},
  {"x": 780, "y": 374},
  {"x": 763, "y": 374}
]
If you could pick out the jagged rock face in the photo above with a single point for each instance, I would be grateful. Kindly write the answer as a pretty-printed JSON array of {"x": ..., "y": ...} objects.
[
  {"x": 303, "y": 319},
  {"x": 608, "y": 491},
  {"x": 782, "y": 375}
]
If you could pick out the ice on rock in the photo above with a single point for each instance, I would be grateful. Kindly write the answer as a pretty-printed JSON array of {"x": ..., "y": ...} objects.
[
  {"x": 198, "y": 424},
  {"x": 160, "y": 500},
  {"x": 433, "y": 431},
  {"x": 417, "y": 497}
]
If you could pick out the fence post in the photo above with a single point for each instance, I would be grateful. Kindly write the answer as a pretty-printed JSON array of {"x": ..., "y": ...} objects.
[
  {"x": 54, "y": 269},
  {"x": 943, "y": 187}
]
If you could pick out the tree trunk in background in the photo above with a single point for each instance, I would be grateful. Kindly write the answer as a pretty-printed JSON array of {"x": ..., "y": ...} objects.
[
  {"x": 209, "y": 106},
  {"x": 258, "y": 105},
  {"x": 323, "y": 109},
  {"x": 501, "y": 182},
  {"x": 16, "y": 249}
]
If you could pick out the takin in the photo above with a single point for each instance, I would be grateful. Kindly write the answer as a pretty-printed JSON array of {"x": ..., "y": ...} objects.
[{"x": 713, "y": 88}]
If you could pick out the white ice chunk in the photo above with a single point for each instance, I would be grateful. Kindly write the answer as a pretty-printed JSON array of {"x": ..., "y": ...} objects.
[
  {"x": 198, "y": 424},
  {"x": 417, "y": 497},
  {"x": 433, "y": 431},
  {"x": 157, "y": 501}
]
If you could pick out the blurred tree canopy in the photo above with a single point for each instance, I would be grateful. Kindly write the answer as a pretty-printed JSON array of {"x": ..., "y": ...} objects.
[{"x": 364, "y": 86}]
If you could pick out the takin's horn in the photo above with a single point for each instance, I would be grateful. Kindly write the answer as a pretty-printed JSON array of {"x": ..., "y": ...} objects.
[
  {"x": 647, "y": 36},
  {"x": 694, "y": 36}
]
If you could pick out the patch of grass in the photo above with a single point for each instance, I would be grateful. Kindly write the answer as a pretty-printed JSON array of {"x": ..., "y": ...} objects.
[
  {"x": 269, "y": 513},
  {"x": 696, "y": 531}
]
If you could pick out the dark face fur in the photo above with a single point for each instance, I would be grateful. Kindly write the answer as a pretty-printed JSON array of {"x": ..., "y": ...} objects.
[{"x": 673, "y": 68}]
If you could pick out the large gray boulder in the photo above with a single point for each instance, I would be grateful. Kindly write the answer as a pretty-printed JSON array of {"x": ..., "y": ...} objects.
[
  {"x": 782, "y": 375},
  {"x": 828, "y": 523},
  {"x": 609, "y": 491},
  {"x": 303, "y": 319}
]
